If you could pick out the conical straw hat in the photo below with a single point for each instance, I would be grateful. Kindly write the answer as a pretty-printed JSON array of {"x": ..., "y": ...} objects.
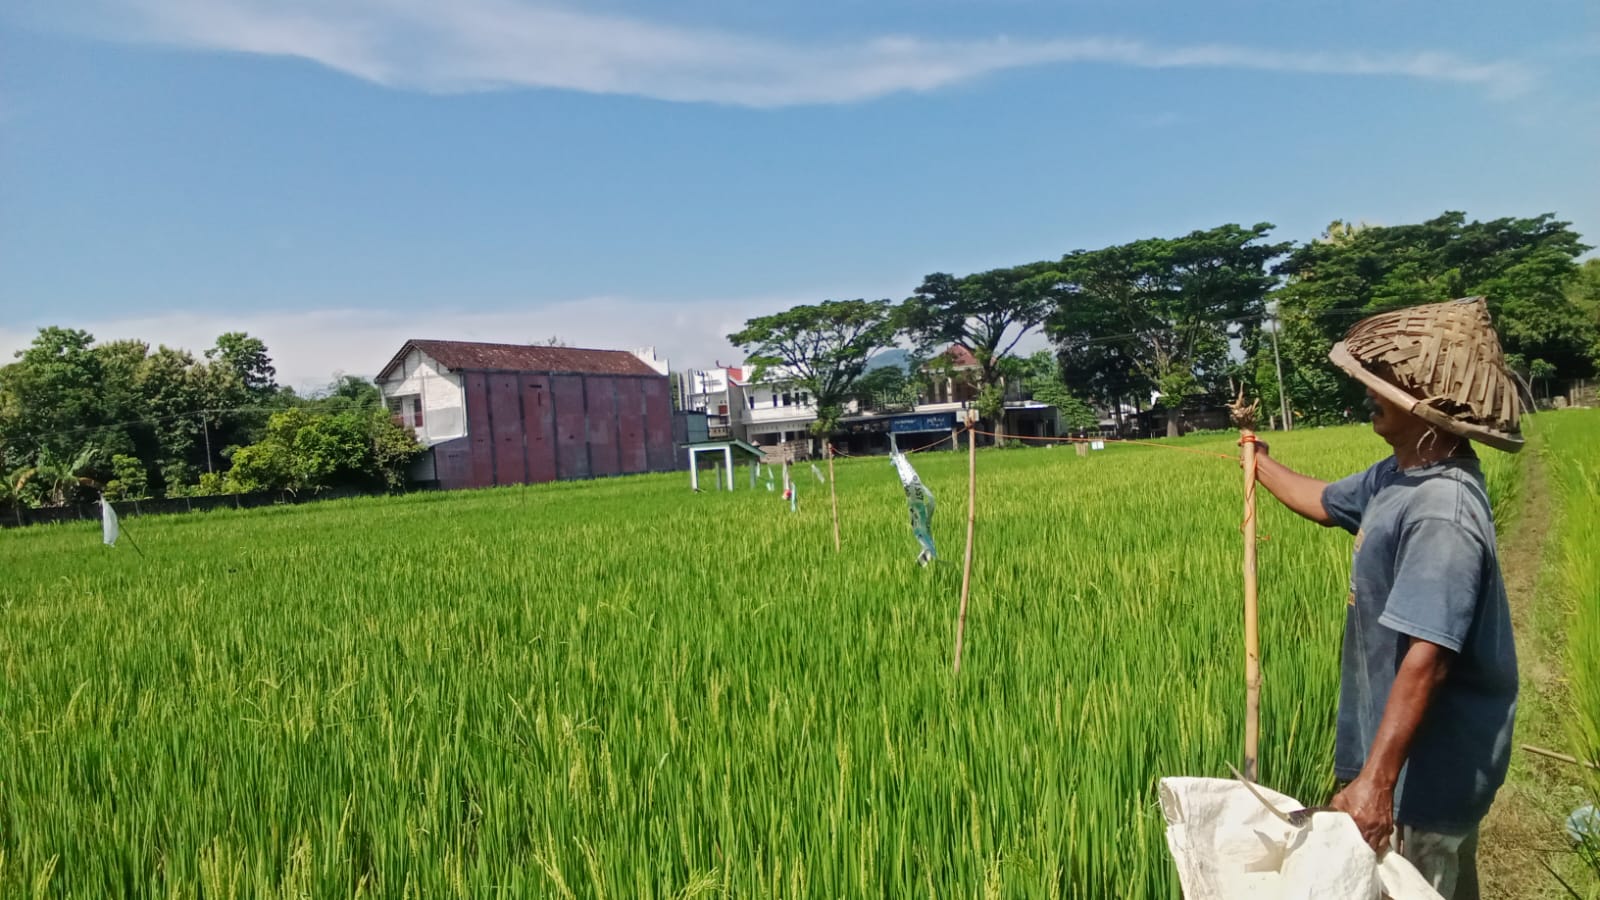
[{"x": 1441, "y": 362}]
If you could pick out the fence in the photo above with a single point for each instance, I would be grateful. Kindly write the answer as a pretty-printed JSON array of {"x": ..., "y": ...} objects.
[{"x": 16, "y": 516}]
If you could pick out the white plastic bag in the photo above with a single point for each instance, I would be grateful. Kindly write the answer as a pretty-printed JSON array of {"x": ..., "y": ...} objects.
[{"x": 1228, "y": 846}]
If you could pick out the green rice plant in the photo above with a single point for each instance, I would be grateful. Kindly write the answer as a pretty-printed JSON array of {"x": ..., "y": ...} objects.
[
  {"x": 623, "y": 689},
  {"x": 1572, "y": 452}
]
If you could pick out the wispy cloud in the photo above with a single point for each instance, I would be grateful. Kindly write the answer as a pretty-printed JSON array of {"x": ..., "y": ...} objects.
[{"x": 476, "y": 45}]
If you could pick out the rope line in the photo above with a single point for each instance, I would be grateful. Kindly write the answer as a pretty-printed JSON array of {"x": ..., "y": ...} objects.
[
  {"x": 928, "y": 446},
  {"x": 1078, "y": 440}
]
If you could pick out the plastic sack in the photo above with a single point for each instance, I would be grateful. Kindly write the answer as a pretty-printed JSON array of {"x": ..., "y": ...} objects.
[{"x": 1228, "y": 846}]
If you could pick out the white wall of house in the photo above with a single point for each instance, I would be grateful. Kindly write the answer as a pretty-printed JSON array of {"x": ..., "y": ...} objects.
[
  {"x": 420, "y": 380},
  {"x": 764, "y": 399},
  {"x": 719, "y": 396},
  {"x": 648, "y": 355}
]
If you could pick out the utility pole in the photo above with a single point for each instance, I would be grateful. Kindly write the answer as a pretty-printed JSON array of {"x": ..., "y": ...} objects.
[
  {"x": 206, "y": 430},
  {"x": 1283, "y": 398}
]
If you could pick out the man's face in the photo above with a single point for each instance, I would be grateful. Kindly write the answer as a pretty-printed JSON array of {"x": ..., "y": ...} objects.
[{"x": 1392, "y": 423}]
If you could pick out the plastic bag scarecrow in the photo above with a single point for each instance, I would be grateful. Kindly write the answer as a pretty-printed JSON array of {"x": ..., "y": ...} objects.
[{"x": 920, "y": 501}]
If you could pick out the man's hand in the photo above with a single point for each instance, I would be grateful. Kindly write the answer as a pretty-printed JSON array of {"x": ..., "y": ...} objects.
[
  {"x": 1372, "y": 806},
  {"x": 1261, "y": 448}
]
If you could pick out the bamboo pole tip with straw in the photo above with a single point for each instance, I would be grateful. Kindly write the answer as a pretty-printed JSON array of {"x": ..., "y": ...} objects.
[{"x": 1242, "y": 414}]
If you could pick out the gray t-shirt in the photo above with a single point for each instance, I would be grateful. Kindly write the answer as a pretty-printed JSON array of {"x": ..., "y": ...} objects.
[{"x": 1425, "y": 566}]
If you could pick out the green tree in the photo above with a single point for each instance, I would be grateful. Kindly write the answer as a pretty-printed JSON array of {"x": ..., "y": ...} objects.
[
  {"x": 986, "y": 312},
  {"x": 51, "y": 398},
  {"x": 245, "y": 359},
  {"x": 307, "y": 450},
  {"x": 1165, "y": 308},
  {"x": 884, "y": 388},
  {"x": 821, "y": 348},
  {"x": 347, "y": 392},
  {"x": 1042, "y": 377},
  {"x": 1584, "y": 293},
  {"x": 1525, "y": 267},
  {"x": 129, "y": 480}
]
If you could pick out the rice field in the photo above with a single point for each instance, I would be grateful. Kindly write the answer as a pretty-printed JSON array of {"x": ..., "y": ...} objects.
[
  {"x": 623, "y": 689},
  {"x": 1573, "y": 452}
]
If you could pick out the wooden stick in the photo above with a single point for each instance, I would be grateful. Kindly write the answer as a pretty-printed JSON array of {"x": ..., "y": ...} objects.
[
  {"x": 1244, "y": 418},
  {"x": 835, "y": 495},
  {"x": 972, "y": 517},
  {"x": 1561, "y": 757},
  {"x": 1252, "y": 647}
]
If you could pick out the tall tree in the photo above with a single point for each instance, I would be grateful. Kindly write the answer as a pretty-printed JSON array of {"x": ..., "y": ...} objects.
[
  {"x": 241, "y": 391},
  {"x": 1167, "y": 307},
  {"x": 986, "y": 312},
  {"x": 822, "y": 348},
  {"x": 1042, "y": 375},
  {"x": 1525, "y": 267},
  {"x": 245, "y": 358},
  {"x": 51, "y": 397},
  {"x": 1584, "y": 292}
]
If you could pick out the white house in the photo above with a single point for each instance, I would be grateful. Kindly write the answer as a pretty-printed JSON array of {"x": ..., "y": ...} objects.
[
  {"x": 720, "y": 393},
  {"x": 425, "y": 395},
  {"x": 779, "y": 416}
]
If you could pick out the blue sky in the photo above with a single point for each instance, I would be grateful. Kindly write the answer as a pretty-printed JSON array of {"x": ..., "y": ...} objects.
[{"x": 337, "y": 176}]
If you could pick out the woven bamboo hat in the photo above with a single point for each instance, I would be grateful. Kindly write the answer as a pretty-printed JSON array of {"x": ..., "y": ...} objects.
[{"x": 1440, "y": 362}]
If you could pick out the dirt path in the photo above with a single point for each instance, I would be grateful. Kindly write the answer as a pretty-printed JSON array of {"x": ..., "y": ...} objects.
[{"x": 1523, "y": 831}]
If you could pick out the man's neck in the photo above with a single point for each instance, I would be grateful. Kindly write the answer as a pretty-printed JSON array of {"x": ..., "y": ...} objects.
[{"x": 1421, "y": 450}]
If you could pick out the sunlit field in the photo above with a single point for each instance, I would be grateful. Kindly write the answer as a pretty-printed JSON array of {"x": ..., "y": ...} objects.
[{"x": 622, "y": 688}]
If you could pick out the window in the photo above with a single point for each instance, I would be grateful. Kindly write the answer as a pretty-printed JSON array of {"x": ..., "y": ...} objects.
[
  {"x": 774, "y": 398},
  {"x": 416, "y": 419},
  {"x": 788, "y": 399}
]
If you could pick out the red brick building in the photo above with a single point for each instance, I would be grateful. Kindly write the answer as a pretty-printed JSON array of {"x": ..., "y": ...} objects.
[{"x": 494, "y": 414}]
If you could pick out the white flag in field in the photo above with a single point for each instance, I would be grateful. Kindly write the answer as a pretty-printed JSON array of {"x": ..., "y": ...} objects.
[
  {"x": 818, "y": 472},
  {"x": 109, "y": 529}
]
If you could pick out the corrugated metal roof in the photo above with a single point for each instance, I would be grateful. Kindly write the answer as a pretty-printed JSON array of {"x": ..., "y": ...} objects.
[{"x": 526, "y": 358}]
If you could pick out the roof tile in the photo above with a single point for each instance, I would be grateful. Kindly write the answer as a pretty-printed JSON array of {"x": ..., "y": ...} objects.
[{"x": 529, "y": 358}]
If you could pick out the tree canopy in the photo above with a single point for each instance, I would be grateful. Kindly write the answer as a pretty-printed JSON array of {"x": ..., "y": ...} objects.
[
  {"x": 78, "y": 417},
  {"x": 1157, "y": 314},
  {"x": 986, "y": 312},
  {"x": 823, "y": 348},
  {"x": 1525, "y": 267}
]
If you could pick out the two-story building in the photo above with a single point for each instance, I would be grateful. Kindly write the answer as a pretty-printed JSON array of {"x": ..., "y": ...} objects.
[
  {"x": 720, "y": 393},
  {"x": 778, "y": 418},
  {"x": 492, "y": 414}
]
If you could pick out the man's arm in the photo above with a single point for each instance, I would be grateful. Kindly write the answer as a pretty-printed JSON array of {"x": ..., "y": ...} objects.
[
  {"x": 1370, "y": 798},
  {"x": 1301, "y": 493}
]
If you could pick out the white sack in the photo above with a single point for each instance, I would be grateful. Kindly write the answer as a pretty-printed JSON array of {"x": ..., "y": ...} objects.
[{"x": 1228, "y": 846}]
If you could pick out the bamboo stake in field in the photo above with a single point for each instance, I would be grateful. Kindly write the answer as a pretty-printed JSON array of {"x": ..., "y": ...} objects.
[
  {"x": 972, "y": 517},
  {"x": 834, "y": 493},
  {"x": 1244, "y": 418}
]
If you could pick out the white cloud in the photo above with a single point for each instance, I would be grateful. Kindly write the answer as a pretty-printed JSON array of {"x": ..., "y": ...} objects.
[
  {"x": 309, "y": 347},
  {"x": 474, "y": 45}
]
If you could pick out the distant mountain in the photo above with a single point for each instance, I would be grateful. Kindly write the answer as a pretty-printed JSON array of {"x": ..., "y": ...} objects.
[{"x": 900, "y": 359}]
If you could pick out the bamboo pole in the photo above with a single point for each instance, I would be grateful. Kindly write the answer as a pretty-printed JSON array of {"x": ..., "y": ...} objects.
[
  {"x": 1559, "y": 757},
  {"x": 972, "y": 517},
  {"x": 1244, "y": 418},
  {"x": 834, "y": 493}
]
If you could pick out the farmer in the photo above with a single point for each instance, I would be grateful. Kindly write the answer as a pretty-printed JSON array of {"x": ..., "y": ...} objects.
[{"x": 1428, "y": 673}]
